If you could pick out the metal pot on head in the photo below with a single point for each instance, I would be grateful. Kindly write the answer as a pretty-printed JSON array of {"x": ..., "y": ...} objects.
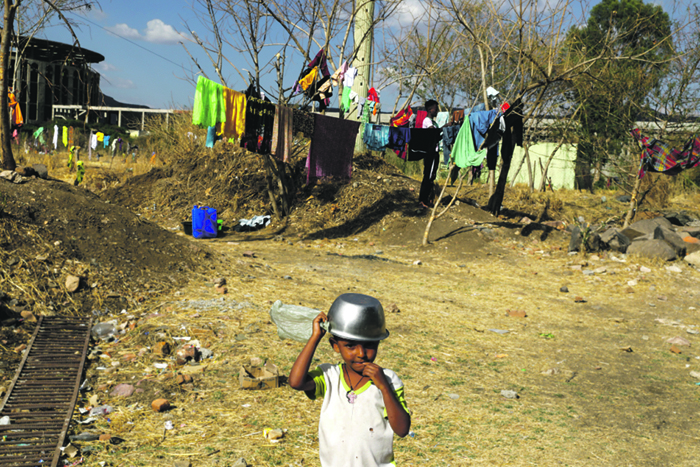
[{"x": 357, "y": 317}]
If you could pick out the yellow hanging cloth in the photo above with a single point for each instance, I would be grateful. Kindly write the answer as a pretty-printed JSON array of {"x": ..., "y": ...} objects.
[
  {"x": 309, "y": 79},
  {"x": 235, "y": 103}
]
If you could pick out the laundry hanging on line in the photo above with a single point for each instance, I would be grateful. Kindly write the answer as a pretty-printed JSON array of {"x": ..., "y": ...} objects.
[
  {"x": 332, "y": 148},
  {"x": 376, "y": 137},
  {"x": 658, "y": 156}
]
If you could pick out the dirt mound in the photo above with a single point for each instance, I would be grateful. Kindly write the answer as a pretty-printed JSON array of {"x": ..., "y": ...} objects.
[{"x": 50, "y": 229}]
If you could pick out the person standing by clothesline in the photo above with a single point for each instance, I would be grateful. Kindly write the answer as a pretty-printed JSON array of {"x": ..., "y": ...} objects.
[{"x": 431, "y": 160}]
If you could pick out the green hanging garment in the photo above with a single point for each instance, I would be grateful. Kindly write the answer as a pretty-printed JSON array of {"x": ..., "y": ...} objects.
[
  {"x": 464, "y": 152},
  {"x": 209, "y": 107}
]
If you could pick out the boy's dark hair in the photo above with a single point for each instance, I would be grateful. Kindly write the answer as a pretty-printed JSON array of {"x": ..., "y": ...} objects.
[{"x": 430, "y": 103}]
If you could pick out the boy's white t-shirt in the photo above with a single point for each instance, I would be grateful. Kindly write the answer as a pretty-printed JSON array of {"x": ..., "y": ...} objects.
[{"x": 353, "y": 435}]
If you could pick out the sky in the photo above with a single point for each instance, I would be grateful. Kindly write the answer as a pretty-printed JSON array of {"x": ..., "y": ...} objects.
[
  {"x": 140, "y": 40},
  {"x": 145, "y": 63}
]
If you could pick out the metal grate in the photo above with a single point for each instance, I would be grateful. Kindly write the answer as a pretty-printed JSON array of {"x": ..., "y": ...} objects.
[{"x": 42, "y": 396}]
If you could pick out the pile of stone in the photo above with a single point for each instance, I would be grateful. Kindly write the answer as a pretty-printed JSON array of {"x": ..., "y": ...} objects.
[{"x": 676, "y": 235}]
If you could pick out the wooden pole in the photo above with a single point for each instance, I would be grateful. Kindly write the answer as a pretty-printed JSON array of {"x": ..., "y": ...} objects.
[
  {"x": 633, "y": 202},
  {"x": 363, "y": 37}
]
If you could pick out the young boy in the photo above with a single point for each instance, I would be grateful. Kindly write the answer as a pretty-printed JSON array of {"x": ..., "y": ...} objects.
[{"x": 363, "y": 404}]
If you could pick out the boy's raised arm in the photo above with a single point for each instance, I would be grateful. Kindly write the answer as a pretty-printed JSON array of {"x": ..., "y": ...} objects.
[{"x": 299, "y": 376}]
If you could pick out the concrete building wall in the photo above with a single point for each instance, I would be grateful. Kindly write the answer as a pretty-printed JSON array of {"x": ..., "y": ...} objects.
[{"x": 561, "y": 169}]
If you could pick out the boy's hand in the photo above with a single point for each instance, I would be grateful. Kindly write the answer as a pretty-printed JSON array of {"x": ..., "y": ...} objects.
[
  {"x": 376, "y": 374},
  {"x": 318, "y": 331}
]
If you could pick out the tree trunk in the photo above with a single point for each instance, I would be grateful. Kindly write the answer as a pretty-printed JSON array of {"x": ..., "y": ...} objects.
[
  {"x": 633, "y": 202},
  {"x": 8, "y": 160}
]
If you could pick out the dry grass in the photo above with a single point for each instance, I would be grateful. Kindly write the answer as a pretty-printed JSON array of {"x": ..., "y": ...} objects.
[{"x": 600, "y": 407}]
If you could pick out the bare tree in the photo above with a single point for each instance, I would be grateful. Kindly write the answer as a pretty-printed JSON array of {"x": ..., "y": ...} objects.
[{"x": 11, "y": 9}]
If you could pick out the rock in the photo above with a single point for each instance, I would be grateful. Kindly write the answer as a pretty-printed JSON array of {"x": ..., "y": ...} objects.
[
  {"x": 122, "y": 390},
  {"x": 631, "y": 234},
  {"x": 692, "y": 248},
  {"x": 652, "y": 249},
  {"x": 219, "y": 282},
  {"x": 615, "y": 240},
  {"x": 693, "y": 258},
  {"x": 624, "y": 198},
  {"x": 240, "y": 463},
  {"x": 600, "y": 270},
  {"x": 579, "y": 300},
  {"x": 41, "y": 170},
  {"x": 679, "y": 218},
  {"x": 183, "y": 379},
  {"x": 695, "y": 374},
  {"x": 417, "y": 262},
  {"x": 162, "y": 349},
  {"x": 275, "y": 433},
  {"x": 160, "y": 405},
  {"x": 187, "y": 353},
  {"x": 551, "y": 372},
  {"x": 516, "y": 313},
  {"x": 673, "y": 268},
  {"x": 647, "y": 226},
  {"x": 644, "y": 269},
  {"x": 454, "y": 397},
  {"x": 105, "y": 437},
  {"x": 564, "y": 289},
  {"x": 185, "y": 463},
  {"x": 672, "y": 238},
  {"x": 526, "y": 220},
  {"x": 593, "y": 242},
  {"x": 603, "y": 199},
  {"x": 393, "y": 308},
  {"x": 72, "y": 283},
  {"x": 222, "y": 290},
  {"x": 509, "y": 394},
  {"x": 692, "y": 231},
  {"x": 28, "y": 316},
  {"x": 70, "y": 451},
  {"x": 249, "y": 254},
  {"x": 678, "y": 340},
  {"x": 576, "y": 240},
  {"x": 588, "y": 272}
]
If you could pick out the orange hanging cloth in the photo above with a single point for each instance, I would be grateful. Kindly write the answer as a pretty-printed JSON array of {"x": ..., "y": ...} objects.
[{"x": 15, "y": 111}]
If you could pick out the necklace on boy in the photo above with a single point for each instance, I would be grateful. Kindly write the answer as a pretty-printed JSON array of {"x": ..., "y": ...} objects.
[{"x": 351, "y": 393}]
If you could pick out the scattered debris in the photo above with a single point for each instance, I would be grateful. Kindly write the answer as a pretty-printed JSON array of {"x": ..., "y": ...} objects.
[
  {"x": 160, "y": 405},
  {"x": 516, "y": 313},
  {"x": 678, "y": 341}
]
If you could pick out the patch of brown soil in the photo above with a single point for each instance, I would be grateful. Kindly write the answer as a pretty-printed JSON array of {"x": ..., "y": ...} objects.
[{"x": 50, "y": 229}]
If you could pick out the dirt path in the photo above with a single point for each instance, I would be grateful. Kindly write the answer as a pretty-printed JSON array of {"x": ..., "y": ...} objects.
[{"x": 599, "y": 404}]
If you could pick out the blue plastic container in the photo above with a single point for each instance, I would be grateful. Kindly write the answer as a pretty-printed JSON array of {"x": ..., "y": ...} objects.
[{"x": 204, "y": 222}]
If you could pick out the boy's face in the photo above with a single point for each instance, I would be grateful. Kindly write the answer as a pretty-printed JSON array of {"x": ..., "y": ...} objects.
[
  {"x": 355, "y": 354},
  {"x": 432, "y": 111}
]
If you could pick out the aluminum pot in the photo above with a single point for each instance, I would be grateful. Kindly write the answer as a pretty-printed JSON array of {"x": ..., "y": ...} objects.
[{"x": 357, "y": 317}]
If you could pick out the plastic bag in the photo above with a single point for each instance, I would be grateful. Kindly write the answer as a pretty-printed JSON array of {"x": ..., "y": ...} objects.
[{"x": 293, "y": 322}]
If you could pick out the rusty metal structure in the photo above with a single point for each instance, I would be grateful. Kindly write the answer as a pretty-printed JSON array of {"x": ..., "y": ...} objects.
[{"x": 42, "y": 396}]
